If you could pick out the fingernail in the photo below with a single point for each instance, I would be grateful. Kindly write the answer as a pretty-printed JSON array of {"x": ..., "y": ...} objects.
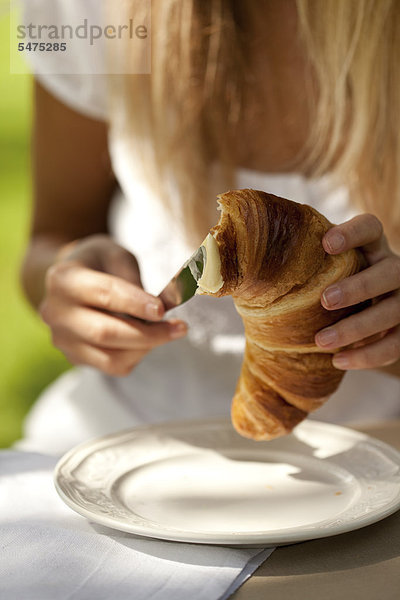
[
  {"x": 335, "y": 241},
  {"x": 153, "y": 311},
  {"x": 178, "y": 330},
  {"x": 340, "y": 362},
  {"x": 327, "y": 337},
  {"x": 332, "y": 295}
]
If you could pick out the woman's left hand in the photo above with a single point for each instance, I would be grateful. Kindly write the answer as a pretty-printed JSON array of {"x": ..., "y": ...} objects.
[{"x": 379, "y": 281}]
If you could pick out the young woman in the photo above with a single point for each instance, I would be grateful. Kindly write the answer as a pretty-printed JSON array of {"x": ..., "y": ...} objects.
[{"x": 300, "y": 99}]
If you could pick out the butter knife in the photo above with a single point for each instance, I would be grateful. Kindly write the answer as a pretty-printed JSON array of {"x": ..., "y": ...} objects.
[{"x": 183, "y": 285}]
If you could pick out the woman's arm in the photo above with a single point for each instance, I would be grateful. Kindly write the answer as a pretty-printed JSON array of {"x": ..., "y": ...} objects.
[
  {"x": 72, "y": 185},
  {"x": 369, "y": 339},
  {"x": 78, "y": 278}
]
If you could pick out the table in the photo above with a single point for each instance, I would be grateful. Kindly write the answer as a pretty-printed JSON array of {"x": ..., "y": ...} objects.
[{"x": 360, "y": 565}]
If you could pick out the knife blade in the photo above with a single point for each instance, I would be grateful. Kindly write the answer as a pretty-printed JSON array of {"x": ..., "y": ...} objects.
[{"x": 183, "y": 285}]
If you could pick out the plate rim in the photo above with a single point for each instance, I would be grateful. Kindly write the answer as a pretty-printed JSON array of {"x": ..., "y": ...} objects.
[{"x": 242, "y": 539}]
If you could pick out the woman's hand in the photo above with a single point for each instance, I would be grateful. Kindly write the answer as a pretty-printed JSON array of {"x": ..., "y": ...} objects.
[
  {"x": 375, "y": 331},
  {"x": 92, "y": 282}
]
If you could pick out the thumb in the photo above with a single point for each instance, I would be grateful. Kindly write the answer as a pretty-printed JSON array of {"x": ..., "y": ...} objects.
[{"x": 121, "y": 263}]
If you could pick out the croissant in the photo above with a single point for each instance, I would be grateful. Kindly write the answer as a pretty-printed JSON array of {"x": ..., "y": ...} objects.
[{"x": 271, "y": 261}]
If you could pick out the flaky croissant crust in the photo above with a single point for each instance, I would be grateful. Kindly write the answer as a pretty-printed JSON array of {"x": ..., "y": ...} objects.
[{"x": 275, "y": 268}]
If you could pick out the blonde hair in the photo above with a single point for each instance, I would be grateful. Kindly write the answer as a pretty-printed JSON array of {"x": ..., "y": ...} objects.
[
  {"x": 183, "y": 120},
  {"x": 354, "y": 47}
]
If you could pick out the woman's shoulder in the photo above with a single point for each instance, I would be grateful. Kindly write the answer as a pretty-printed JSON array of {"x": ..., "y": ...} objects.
[{"x": 63, "y": 55}]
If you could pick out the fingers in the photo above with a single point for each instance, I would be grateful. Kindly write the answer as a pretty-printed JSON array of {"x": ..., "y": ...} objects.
[
  {"x": 374, "y": 332},
  {"x": 374, "y": 319},
  {"x": 114, "y": 346},
  {"x": 95, "y": 307},
  {"x": 106, "y": 292},
  {"x": 380, "y": 278},
  {"x": 377, "y": 354},
  {"x": 107, "y": 331},
  {"x": 362, "y": 231},
  {"x": 112, "y": 362}
]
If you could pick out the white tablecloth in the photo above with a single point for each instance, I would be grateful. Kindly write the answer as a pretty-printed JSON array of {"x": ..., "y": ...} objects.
[{"x": 47, "y": 552}]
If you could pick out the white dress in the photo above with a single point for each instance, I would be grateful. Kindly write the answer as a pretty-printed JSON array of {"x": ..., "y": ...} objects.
[{"x": 193, "y": 377}]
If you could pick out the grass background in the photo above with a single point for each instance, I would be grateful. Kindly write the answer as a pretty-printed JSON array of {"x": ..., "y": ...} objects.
[{"x": 28, "y": 362}]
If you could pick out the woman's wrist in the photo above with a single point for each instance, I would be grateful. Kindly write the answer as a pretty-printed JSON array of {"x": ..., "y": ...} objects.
[{"x": 42, "y": 253}]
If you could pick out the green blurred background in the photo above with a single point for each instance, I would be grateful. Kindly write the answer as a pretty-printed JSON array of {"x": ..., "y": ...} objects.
[{"x": 27, "y": 360}]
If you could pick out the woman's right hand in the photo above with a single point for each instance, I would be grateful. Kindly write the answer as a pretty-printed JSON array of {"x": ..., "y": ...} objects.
[{"x": 92, "y": 282}]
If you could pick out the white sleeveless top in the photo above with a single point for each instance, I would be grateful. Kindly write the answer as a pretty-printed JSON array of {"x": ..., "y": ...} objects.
[{"x": 196, "y": 376}]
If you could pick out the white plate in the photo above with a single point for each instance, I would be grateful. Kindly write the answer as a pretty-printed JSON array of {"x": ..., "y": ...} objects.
[{"x": 201, "y": 482}]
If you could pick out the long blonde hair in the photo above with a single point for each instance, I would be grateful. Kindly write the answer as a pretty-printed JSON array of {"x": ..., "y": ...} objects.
[{"x": 183, "y": 119}]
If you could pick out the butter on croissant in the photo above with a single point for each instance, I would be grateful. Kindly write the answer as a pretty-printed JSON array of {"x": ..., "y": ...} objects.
[{"x": 267, "y": 254}]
